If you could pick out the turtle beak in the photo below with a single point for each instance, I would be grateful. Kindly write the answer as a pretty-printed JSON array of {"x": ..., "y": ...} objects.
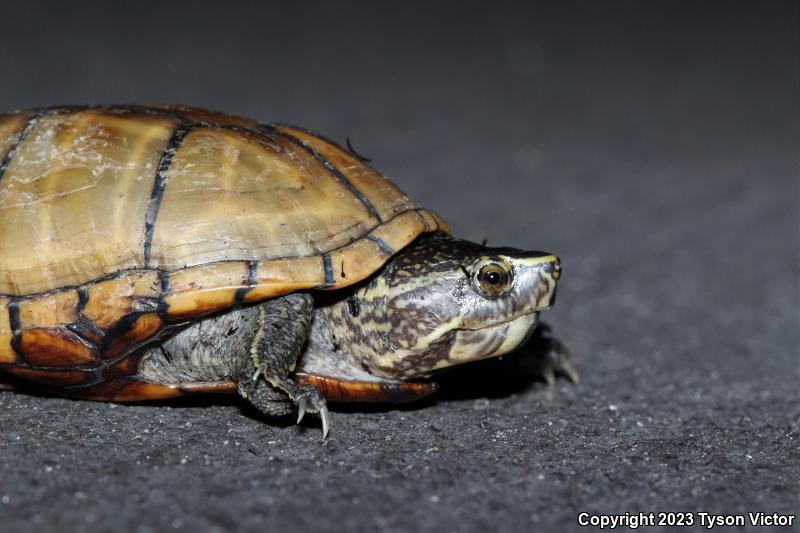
[
  {"x": 553, "y": 297},
  {"x": 540, "y": 272},
  {"x": 552, "y": 271}
]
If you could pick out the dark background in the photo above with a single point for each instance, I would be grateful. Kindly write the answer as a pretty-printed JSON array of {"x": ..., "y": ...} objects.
[{"x": 653, "y": 145}]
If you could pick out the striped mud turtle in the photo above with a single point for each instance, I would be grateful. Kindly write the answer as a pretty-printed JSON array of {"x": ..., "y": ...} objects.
[{"x": 152, "y": 251}]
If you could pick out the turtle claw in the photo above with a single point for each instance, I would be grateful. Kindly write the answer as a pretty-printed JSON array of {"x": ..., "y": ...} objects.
[
  {"x": 554, "y": 359},
  {"x": 559, "y": 363},
  {"x": 325, "y": 415},
  {"x": 311, "y": 400},
  {"x": 307, "y": 397},
  {"x": 301, "y": 408},
  {"x": 569, "y": 371},
  {"x": 549, "y": 376}
]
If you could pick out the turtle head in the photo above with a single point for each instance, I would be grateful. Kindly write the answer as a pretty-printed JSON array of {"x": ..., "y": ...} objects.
[{"x": 449, "y": 301}]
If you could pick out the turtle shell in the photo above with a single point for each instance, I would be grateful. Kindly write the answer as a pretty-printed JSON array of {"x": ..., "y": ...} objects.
[{"x": 119, "y": 222}]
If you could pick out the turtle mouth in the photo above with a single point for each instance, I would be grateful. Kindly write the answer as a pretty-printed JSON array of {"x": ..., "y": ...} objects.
[
  {"x": 503, "y": 322},
  {"x": 493, "y": 339}
]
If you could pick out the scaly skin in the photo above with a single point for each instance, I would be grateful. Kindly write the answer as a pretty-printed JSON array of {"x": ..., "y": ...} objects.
[
  {"x": 425, "y": 311},
  {"x": 435, "y": 304}
]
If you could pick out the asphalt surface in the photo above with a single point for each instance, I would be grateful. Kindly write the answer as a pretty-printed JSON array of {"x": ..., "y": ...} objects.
[{"x": 653, "y": 146}]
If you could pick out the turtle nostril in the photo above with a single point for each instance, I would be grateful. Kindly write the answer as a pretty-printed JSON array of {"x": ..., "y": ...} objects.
[{"x": 557, "y": 268}]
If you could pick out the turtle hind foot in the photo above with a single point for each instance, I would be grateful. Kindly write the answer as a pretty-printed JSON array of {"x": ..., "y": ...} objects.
[
  {"x": 277, "y": 397},
  {"x": 265, "y": 370},
  {"x": 553, "y": 357}
]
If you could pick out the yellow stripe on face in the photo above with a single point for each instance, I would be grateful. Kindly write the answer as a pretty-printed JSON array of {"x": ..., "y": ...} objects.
[
  {"x": 533, "y": 261},
  {"x": 550, "y": 259}
]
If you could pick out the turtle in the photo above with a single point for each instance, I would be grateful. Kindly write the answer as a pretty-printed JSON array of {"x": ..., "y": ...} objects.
[{"x": 152, "y": 251}]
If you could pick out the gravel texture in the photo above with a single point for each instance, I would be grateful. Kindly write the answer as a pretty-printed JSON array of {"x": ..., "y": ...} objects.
[{"x": 652, "y": 145}]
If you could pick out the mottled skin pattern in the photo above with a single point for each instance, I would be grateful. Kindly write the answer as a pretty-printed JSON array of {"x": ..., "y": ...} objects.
[
  {"x": 243, "y": 345},
  {"x": 439, "y": 302},
  {"x": 424, "y": 310}
]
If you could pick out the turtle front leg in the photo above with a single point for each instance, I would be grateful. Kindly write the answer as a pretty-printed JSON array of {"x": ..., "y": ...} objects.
[
  {"x": 553, "y": 358},
  {"x": 264, "y": 375}
]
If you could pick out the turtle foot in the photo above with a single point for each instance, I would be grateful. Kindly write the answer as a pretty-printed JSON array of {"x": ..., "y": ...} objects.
[
  {"x": 554, "y": 359},
  {"x": 274, "y": 396}
]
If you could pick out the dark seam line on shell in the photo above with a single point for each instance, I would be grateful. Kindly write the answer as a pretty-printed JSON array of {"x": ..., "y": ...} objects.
[
  {"x": 163, "y": 278},
  {"x": 340, "y": 177},
  {"x": 122, "y": 326},
  {"x": 86, "y": 342},
  {"x": 162, "y": 309},
  {"x": 252, "y": 266},
  {"x": 241, "y": 292},
  {"x": 83, "y": 299},
  {"x": 160, "y": 185},
  {"x": 424, "y": 221},
  {"x": 252, "y": 273},
  {"x": 16, "y": 327},
  {"x": 133, "y": 349},
  {"x": 165, "y": 273},
  {"x": 23, "y": 135},
  {"x": 326, "y": 260},
  {"x": 276, "y": 125},
  {"x": 105, "y": 277},
  {"x": 59, "y": 328},
  {"x": 385, "y": 248},
  {"x": 81, "y": 327}
]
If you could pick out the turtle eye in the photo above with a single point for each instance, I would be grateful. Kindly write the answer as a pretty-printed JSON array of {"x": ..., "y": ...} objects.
[{"x": 493, "y": 279}]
